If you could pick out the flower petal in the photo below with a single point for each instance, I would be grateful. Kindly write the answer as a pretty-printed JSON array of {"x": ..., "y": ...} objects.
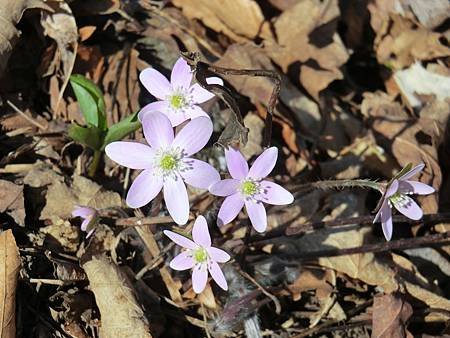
[
  {"x": 83, "y": 212},
  {"x": 414, "y": 171},
  {"x": 176, "y": 117},
  {"x": 199, "y": 277},
  {"x": 230, "y": 209},
  {"x": 195, "y": 111},
  {"x": 257, "y": 214},
  {"x": 182, "y": 261},
  {"x": 218, "y": 255},
  {"x": 157, "y": 106},
  {"x": 158, "y": 130},
  {"x": 181, "y": 76},
  {"x": 180, "y": 240},
  {"x": 386, "y": 220},
  {"x": 155, "y": 83},
  {"x": 392, "y": 189},
  {"x": 144, "y": 188},
  {"x": 132, "y": 155},
  {"x": 409, "y": 208},
  {"x": 85, "y": 224},
  {"x": 177, "y": 201},
  {"x": 415, "y": 187},
  {"x": 225, "y": 187},
  {"x": 275, "y": 194},
  {"x": 200, "y": 94},
  {"x": 217, "y": 275},
  {"x": 264, "y": 164},
  {"x": 236, "y": 163},
  {"x": 200, "y": 232},
  {"x": 194, "y": 136},
  {"x": 199, "y": 174}
]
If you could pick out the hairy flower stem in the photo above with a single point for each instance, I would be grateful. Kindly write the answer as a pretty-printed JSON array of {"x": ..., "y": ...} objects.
[
  {"x": 340, "y": 184},
  {"x": 92, "y": 169}
]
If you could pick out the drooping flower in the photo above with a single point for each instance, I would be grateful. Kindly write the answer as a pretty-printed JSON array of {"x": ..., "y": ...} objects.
[
  {"x": 396, "y": 194},
  {"x": 199, "y": 256},
  {"x": 89, "y": 217},
  {"x": 178, "y": 99},
  {"x": 167, "y": 163},
  {"x": 248, "y": 187}
]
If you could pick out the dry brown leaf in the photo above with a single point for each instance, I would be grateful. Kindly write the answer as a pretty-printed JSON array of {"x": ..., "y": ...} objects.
[
  {"x": 121, "y": 314},
  {"x": 9, "y": 272},
  {"x": 62, "y": 28},
  {"x": 86, "y": 32},
  {"x": 390, "y": 314},
  {"x": 400, "y": 42},
  {"x": 306, "y": 33},
  {"x": 10, "y": 14},
  {"x": 91, "y": 8},
  {"x": 241, "y": 20},
  {"x": 11, "y": 201}
]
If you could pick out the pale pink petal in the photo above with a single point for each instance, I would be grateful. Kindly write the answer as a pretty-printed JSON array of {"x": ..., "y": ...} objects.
[
  {"x": 133, "y": 155},
  {"x": 176, "y": 117},
  {"x": 217, "y": 275},
  {"x": 195, "y": 111},
  {"x": 199, "y": 174},
  {"x": 85, "y": 224},
  {"x": 392, "y": 189},
  {"x": 200, "y": 232},
  {"x": 409, "y": 208},
  {"x": 200, "y": 94},
  {"x": 158, "y": 130},
  {"x": 199, "y": 277},
  {"x": 386, "y": 220},
  {"x": 144, "y": 188},
  {"x": 157, "y": 106},
  {"x": 183, "y": 261},
  {"x": 230, "y": 209},
  {"x": 218, "y": 255},
  {"x": 236, "y": 163},
  {"x": 181, "y": 76},
  {"x": 264, "y": 164},
  {"x": 155, "y": 83},
  {"x": 225, "y": 187},
  {"x": 180, "y": 240},
  {"x": 83, "y": 212},
  {"x": 414, "y": 171},
  {"x": 177, "y": 201},
  {"x": 257, "y": 214},
  {"x": 415, "y": 187},
  {"x": 275, "y": 194},
  {"x": 194, "y": 136}
]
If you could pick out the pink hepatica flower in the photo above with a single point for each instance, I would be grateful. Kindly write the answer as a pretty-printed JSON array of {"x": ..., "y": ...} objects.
[
  {"x": 199, "y": 256},
  {"x": 248, "y": 187},
  {"x": 397, "y": 195},
  {"x": 89, "y": 217},
  {"x": 178, "y": 98},
  {"x": 166, "y": 162}
]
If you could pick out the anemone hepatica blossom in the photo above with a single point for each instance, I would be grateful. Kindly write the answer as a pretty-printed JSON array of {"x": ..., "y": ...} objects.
[
  {"x": 199, "y": 256},
  {"x": 248, "y": 187},
  {"x": 89, "y": 217},
  {"x": 166, "y": 162},
  {"x": 396, "y": 195},
  {"x": 178, "y": 98}
]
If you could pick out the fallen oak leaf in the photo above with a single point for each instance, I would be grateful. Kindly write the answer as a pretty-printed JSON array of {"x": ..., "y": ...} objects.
[{"x": 390, "y": 314}]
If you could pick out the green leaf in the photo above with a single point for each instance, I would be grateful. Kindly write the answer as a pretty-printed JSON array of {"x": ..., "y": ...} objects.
[
  {"x": 91, "y": 136},
  {"x": 119, "y": 130},
  {"x": 91, "y": 101}
]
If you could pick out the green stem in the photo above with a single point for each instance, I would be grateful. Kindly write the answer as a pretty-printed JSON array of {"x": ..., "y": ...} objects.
[
  {"x": 340, "y": 184},
  {"x": 92, "y": 169}
]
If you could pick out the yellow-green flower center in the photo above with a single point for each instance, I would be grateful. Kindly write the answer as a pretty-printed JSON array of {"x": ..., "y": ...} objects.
[
  {"x": 168, "y": 162},
  {"x": 200, "y": 255},
  {"x": 177, "y": 101},
  {"x": 398, "y": 199},
  {"x": 249, "y": 188}
]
